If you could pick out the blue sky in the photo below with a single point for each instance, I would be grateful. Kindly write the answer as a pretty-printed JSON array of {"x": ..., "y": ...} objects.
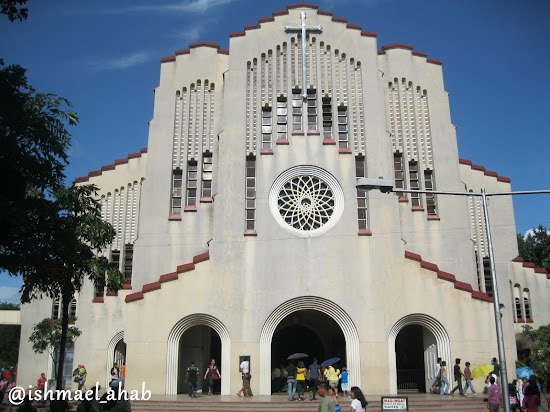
[{"x": 103, "y": 55}]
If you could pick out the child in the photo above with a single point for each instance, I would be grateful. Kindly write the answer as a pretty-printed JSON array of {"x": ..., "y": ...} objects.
[
  {"x": 334, "y": 395},
  {"x": 344, "y": 381},
  {"x": 513, "y": 395}
]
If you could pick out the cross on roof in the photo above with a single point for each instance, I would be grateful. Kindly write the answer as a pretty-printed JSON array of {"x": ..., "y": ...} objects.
[{"x": 303, "y": 28}]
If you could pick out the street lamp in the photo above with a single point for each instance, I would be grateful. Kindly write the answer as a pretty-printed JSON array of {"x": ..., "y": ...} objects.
[{"x": 386, "y": 186}]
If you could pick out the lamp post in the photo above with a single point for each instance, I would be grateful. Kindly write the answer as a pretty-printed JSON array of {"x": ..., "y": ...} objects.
[{"x": 386, "y": 186}]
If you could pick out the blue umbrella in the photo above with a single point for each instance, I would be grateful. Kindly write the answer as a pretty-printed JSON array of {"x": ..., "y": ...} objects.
[
  {"x": 298, "y": 356},
  {"x": 524, "y": 372},
  {"x": 328, "y": 362}
]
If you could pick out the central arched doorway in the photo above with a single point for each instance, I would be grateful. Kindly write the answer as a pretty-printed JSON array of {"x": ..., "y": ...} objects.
[
  {"x": 313, "y": 308},
  {"x": 306, "y": 331}
]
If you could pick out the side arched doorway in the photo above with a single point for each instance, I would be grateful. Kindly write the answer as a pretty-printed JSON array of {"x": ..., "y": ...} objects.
[
  {"x": 303, "y": 315},
  {"x": 116, "y": 353},
  {"x": 193, "y": 338},
  {"x": 414, "y": 344}
]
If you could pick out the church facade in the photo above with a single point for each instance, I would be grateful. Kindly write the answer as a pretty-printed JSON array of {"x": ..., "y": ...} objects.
[{"x": 241, "y": 232}]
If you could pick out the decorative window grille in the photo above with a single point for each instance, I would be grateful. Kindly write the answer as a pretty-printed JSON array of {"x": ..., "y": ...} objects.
[
  {"x": 312, "y": 109},
  {"x": 296, "y": 109},
  {"x": 207, "y": 171},
  {"x": 267, "y": 128},
  {"x": 282, "y": 118},
  {"x": 250, "y": 207},
  {"x": 429, "y": 184},
  {"x": 398, "y": 173},
  {"x": 487, "y": 276},
  {"x": 414, "y": 183},
  {"x": 177, "y": 187},
  {"x": 128, "y": 259},
  {"x": 72, "y": 308},
  {"x": 362, "y": 217},
  {"x": 327, "y": 118},
  {"x": 527, "y": 304},
  {"x": 191, "y": 184},
  {"x": 343, "y": 135},
  {"x": 519, "y": 313},
  {"x": 56, "y": 309}
]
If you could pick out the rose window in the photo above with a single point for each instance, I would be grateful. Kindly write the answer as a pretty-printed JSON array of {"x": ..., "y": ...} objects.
[{"x": 306, "y": 200}]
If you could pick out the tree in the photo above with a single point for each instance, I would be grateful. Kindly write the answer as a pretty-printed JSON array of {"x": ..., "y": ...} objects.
[
  {"x": 536, "y": 247},
  {"x": 539, "y": 356},
  {"x": 71, "y": 252},
  {"x": 11, "y": 9},
  {"x": 9, "y": 306},
  {"x": 47, "y": 335}
]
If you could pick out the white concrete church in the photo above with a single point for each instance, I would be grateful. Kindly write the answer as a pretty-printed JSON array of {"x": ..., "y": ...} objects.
[{"x": 241, "y": 232}]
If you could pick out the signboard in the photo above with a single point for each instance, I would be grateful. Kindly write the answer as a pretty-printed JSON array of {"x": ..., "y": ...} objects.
[{"x": 394, "y": 403}]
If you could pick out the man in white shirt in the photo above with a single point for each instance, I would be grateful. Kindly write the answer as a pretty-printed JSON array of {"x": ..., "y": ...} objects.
[
  {"x": 245, "y": 372},
  {"x": 437, "y": 380}
]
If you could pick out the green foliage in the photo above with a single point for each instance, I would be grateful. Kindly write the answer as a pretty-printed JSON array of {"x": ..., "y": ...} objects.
[
  {"x": 46, "y": 335},
  {"x": 11, "y": 9},
  {"x": 9, "y": 306},
  {"x": 9, "y": 344},
  {"x": 34, "y": 141},
  {"x": 536, "y": 247},
  {"x": 539, "y": 356}
]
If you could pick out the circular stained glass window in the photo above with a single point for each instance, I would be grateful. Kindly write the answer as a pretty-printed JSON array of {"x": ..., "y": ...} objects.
[{"x": 306, "y": 200}]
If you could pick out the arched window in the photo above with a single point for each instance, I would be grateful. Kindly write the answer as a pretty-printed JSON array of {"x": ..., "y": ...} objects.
[
  {"x": 518, "y": 302},
  {"x": 527, "y": 304}
]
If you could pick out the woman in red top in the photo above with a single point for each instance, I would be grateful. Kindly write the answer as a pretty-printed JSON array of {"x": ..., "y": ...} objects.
[{"x": 531, "y": 399}]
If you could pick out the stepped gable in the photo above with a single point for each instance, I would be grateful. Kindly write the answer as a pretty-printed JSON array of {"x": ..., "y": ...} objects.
[
  {"x": 531, "y": 265},
  {"x": 466, "y": 287},
  {"x": 149, "y": 287},
  {"x": 485, "y": 172},
  {"x": 193, "y": 46},
  {"x": 110, "y": 167},
  {"x": 393, "y": 46}
]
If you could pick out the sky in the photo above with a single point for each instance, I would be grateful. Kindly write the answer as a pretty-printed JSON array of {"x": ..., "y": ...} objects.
[{"x": 104, "y": 56}]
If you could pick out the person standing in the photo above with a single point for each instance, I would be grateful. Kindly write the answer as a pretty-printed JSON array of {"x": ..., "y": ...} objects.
[
  {"x": 115, "y": 372},
  {"x": 458, "y": 378},
  {"x": 332, "y": 377},
  {"x": 327, "y": 403},
  {"x": 291, "y": 372},
  {"x": 531, "y": 399},
  {"x": 213, "y": 375},
  {"x": 41, "y": 382},
  {"x": 468, "y": 379},
  {"x": 443, "y": 378},
  {"x": 437, "y": 380},
  {"x": 494, "y": 401},
  {"x": 82, "y": 375},
  {"x": 244, "y": 367},
  {"x": 313, "y": 376},
  {"x": 496, "y": 370},
  {"x": 358, "y": 403},
  {"x": 191, "y": 379}
]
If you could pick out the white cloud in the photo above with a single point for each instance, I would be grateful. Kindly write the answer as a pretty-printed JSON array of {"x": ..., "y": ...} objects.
[
  {"x": 10, "y": 295},
  {"x": 529, "y": 232},
  {"x": 121, "y": 63},
  {"x": 192, "y": 6},
  {"x": 189, "y": 35}
]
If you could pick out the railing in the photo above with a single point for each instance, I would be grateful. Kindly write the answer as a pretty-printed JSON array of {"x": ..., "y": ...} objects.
[{"x": 411, "y": 380}]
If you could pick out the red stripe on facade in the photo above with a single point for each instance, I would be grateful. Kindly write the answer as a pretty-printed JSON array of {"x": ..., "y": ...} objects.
[
  {"x": 223, "y": 51},
  {"x": 185, "y": 268},
  {"x": 280, "y": 12},
  {"x": 296, "y": 5},
  {"x": 201, "y": 258},
  {"x": 504, "y": 179},
  {"x": 417, "y": 53},
  {"x": 434, "y": 61},
  {"x": 252, "y": 26},
  {"x": 340, "y": 20},
  {"x": 354, "y": 26},
  {"x": 204, "y": 44},
  {"x": 397, "y": 46},
  {"x": 413, "y": 256},
  {"x": 133, "y": 297},
  {"x": 325, "y": 13},
  {"x": 481, "y": 296},
  {"x": 429, "y": 266},
  {"x": 237, "y": 34},
  {"x": 151, "y": 286},
  {"x": 369, "y": 33},
  {"x": 446, "y": 276},
  {"x": 463, "y": 286},
  {"x": 168, "y": 59}
]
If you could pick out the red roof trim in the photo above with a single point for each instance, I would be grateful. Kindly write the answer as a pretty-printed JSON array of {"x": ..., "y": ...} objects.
[
  {"x": 151, "y": 286},
  {"x": 504, "y": 179},
  {"x": 369, "y": 33},
  {"x": 94, "y": 173},
  {"x": 413, "y": 256},
  {"x": 380, "y": 52},
  {"x": 237, "y": 34},
  {"x": 434, "y": 61},
  {"x": 429, "y": 266},
  {"x": 98, "y": 299},
  {"x": 168, "y": 277},
  {"x": 185, "y": 268},
  {"x": 110, "y": 167},
  {"x": 296, "y": 5},
  {"x": 223, "y": 51},
  {"x": 540, "y": 270},
  {"x": 252, "y": 26},
  {"x": 354, "y": 26},
  {"x": 517, "y": 259},
  {"x": 396, "y": 46},
  {"x": 201, "y": 258},
  {"x": 325, "y": 13},
  {"x": 133, "y": 297},
  {"x": 417, "y": 53},
  {"x": 280, "y": 12},
  {"x": 266, "y": 19},
  {"x": 465, "y": 162},
  {"x": 481, "y": 296},
  {"x": 204, "y": 44},
  {"x": 82, "y": 179},
  {"x": 492, "y": 174},
  {"x": 340, "y": 19},
  {"x": 121, "y": 161},
  {"x": 168, "y": 59},
  {"x": 478, "y": 167},
  {"x": 182, "y": 51},
  {"x": 486, "y": 172},
  {"x": 446, "y": 276},
  {"x": 364, "y": 232},
  {"x": 107, "y": 167},
  {"x": 528, "y": 265},
  {"x": 464, "y": 286}
]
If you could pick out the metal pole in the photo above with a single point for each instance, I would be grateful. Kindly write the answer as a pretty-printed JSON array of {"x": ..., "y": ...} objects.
[{"x": 496, "y": 305}]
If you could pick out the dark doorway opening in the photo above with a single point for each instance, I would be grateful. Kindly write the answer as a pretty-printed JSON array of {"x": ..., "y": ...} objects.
[{"x": 409, "y": 355}]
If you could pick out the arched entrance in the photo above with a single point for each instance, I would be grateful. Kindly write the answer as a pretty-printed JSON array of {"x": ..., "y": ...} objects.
[
  {"x": 312, "y": 310},
  {"x": 182, "y": 347},
  {"x": 116, "y": 352},
  {"x": 414, "y": 344},
  {"x": 306, "y": 331}
]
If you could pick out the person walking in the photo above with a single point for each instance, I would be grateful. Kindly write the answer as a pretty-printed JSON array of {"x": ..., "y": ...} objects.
[
  {"x": 213, "y": 375},
  {"x": 191, "y": 379},
  {"x": 244, "y": 367},
  {"x": 531, "y": 399},
  {"x": 301, "y": 380},
  {"x": 327, "y": 403},
  {"x": 468, "y": 379},
  {"x": 313, "y": 376},
  {"x": 494, "y": 393},
  {"x": 344, "y": 381},
  {"x": 291, "y": 372},
  {"x": 437, "y": 381},
  {"x": 444, "y": 390},
  {"x": 358, "y": 401},
  {"x": 458, "y": 378}
]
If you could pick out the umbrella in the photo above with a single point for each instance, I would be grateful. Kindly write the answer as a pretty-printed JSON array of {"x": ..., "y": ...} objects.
[
  {"x": 482, "y": 370},
  {"x": 329, "y": 362},
  {"x": 524, "y": 372},
  {"x": 298, "y": 356}
]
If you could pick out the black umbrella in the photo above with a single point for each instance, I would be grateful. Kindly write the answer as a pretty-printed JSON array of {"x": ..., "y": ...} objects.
[
  {"x": 328, "y": 362},
  {"x": 298, "y": 356}
]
